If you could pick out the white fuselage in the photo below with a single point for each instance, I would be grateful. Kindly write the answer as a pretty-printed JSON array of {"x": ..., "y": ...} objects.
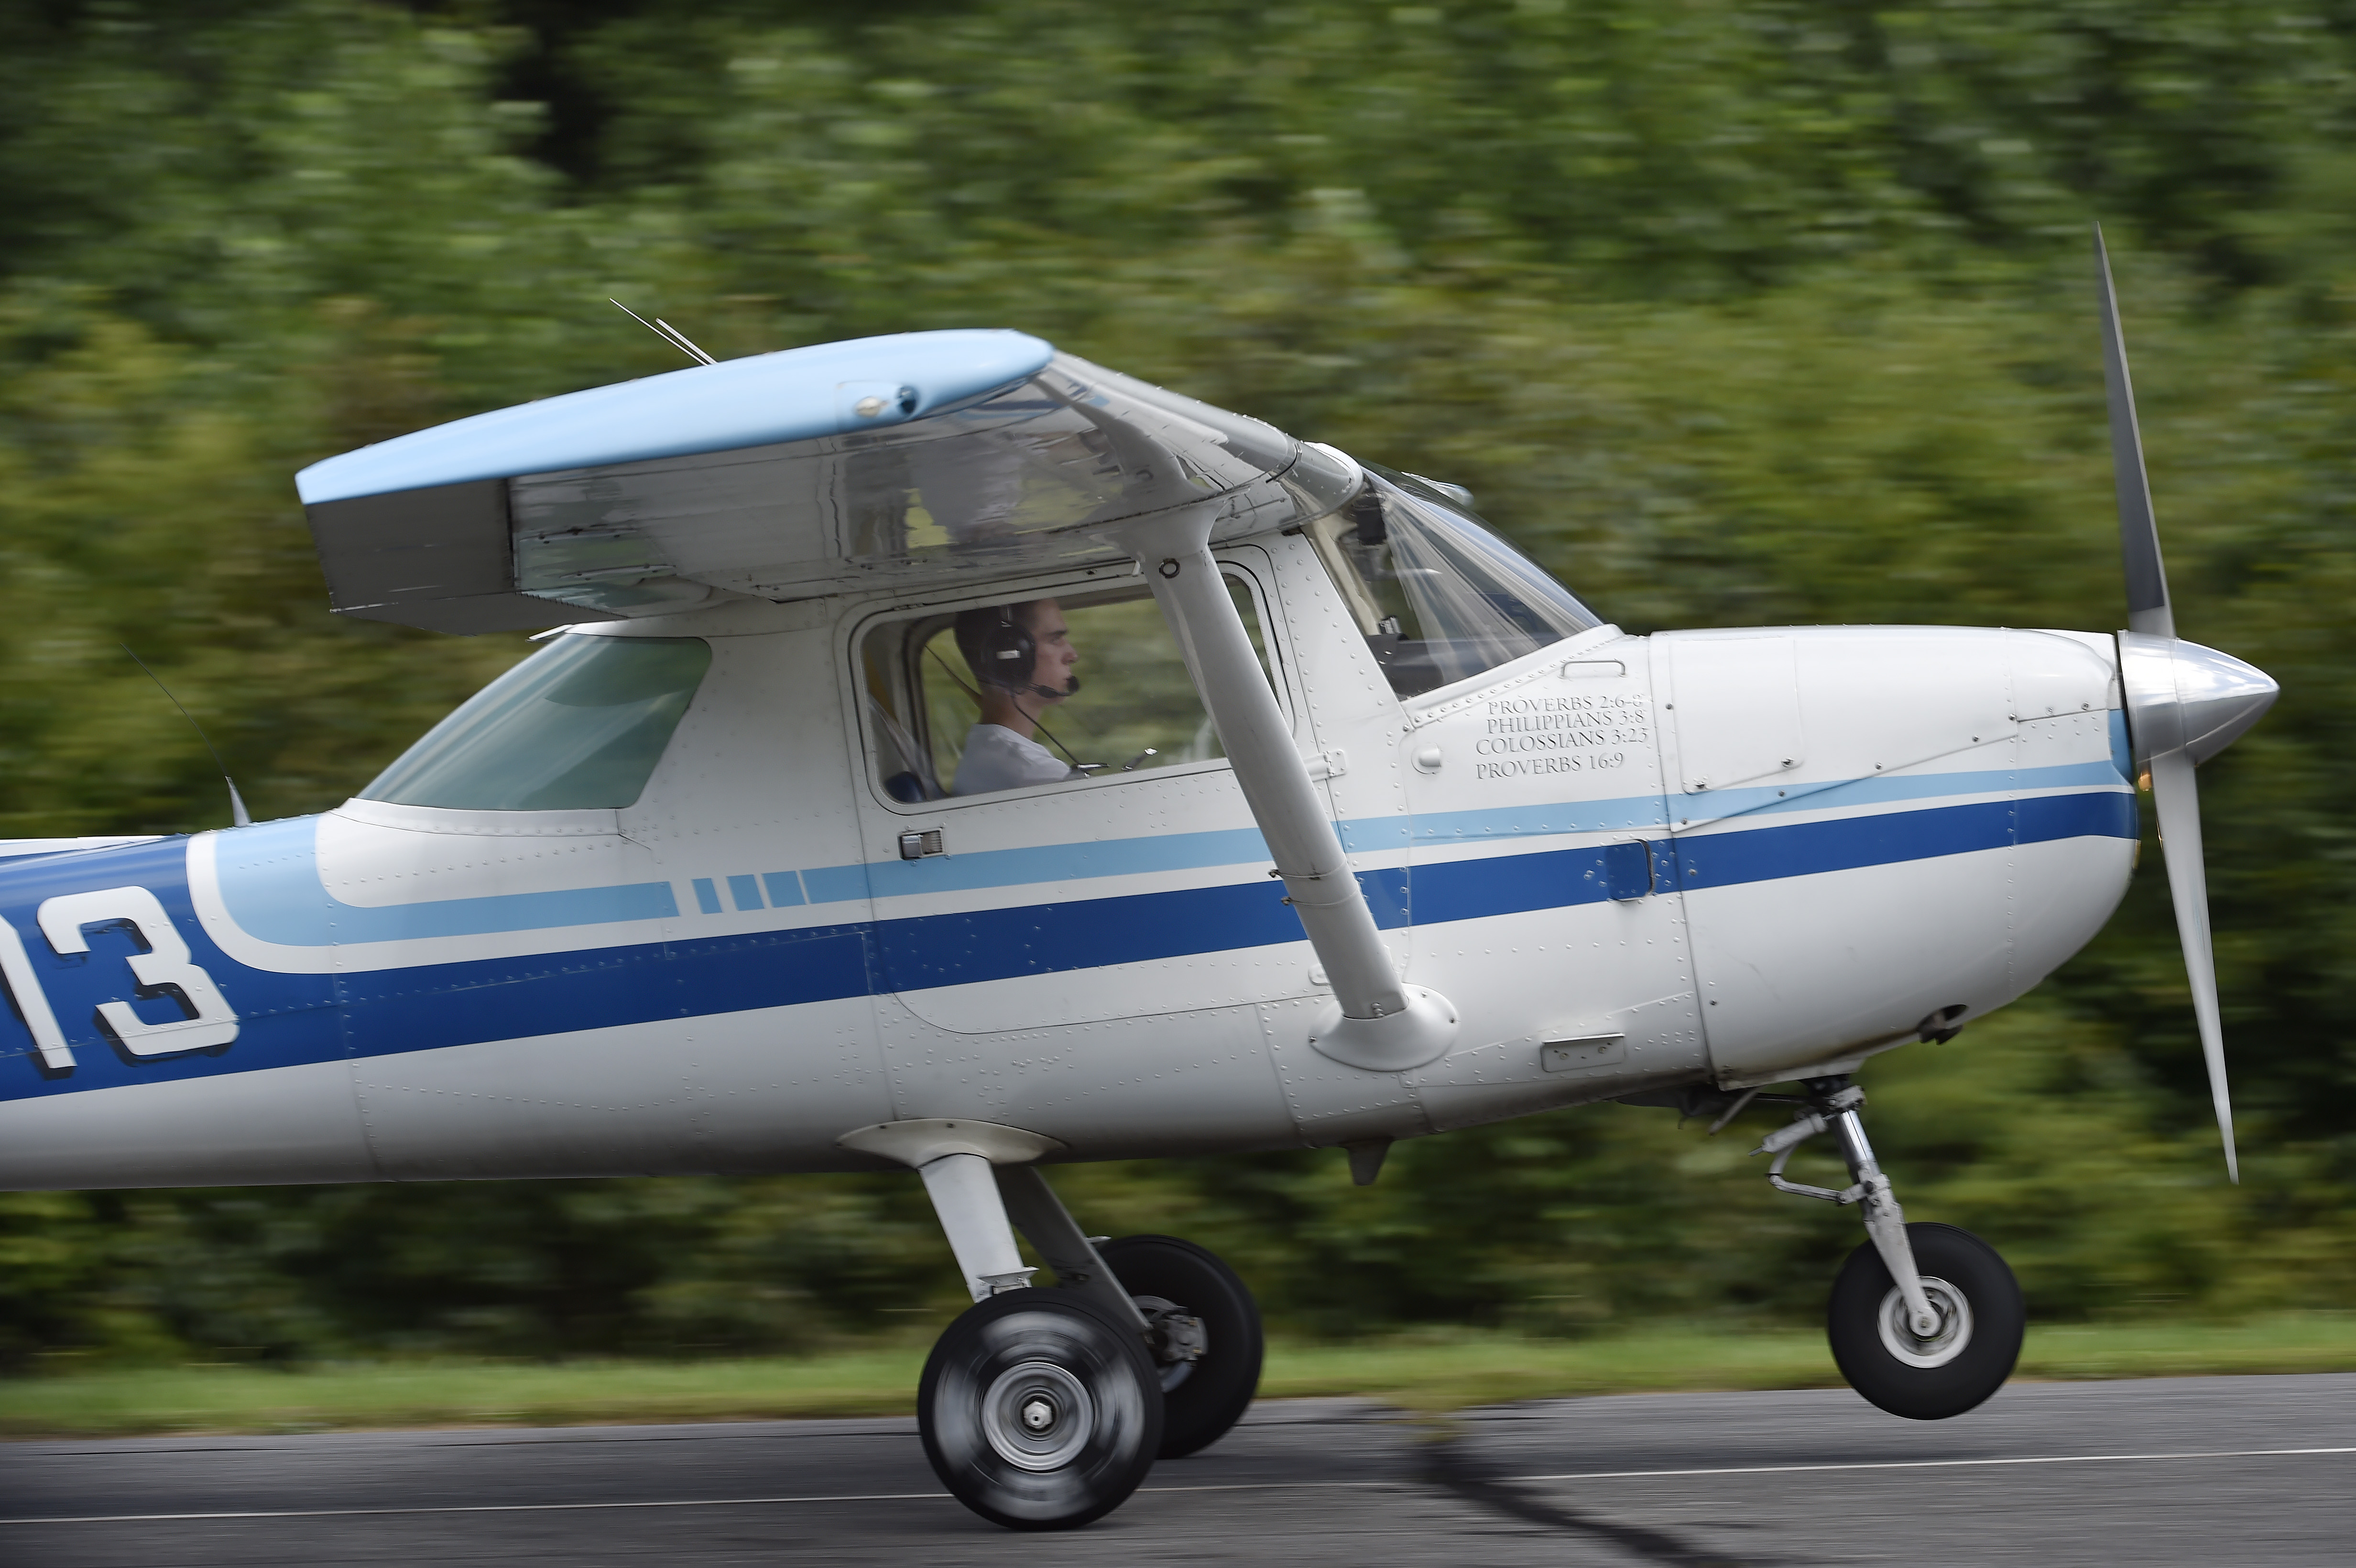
[{"x": 1629, "y": 862}]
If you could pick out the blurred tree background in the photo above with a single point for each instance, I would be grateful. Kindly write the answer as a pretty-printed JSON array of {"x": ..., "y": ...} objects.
[{"x": 1731, "y": 310}]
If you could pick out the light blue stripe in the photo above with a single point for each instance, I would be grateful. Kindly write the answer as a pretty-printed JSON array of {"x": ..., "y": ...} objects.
[
  {"x": 1644, "y": 813},
  {"x": 270, "y": 884},
  {"x": 269, "y": 881},
  {"x": 954, "y": 873},
  {"x": 1637, "y": 812},
  {"x": 1875, "y": 790},
  {"x": 835, "y": 884},
  {"x": 746, "y": 891},
  {"x": 784, "y": 890},
  {"x": 1374, "y": 835}
]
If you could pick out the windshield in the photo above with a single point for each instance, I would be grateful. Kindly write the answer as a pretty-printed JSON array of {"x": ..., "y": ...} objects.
[
  {"x": 1438, "y": 597},
  {"x": 580, "y": 725}
]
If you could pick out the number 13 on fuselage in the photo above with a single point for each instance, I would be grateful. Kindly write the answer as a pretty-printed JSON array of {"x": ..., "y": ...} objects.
[{"x": 147, "y": 959}]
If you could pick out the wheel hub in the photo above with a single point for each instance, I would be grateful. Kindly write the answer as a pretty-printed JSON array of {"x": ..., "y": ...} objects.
[
  {"x": 1037, "y": 1416},
  {"x": 1943, "y": 1343},
  {"x": 1177, "y": 1338}
]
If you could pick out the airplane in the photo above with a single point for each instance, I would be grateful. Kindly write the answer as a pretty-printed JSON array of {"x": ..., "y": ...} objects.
[{"x": 1381, "y": 832}]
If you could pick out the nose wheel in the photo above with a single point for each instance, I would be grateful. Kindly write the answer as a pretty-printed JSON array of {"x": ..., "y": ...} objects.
[
  {"x": 1925, "y": 1320},
  {"x": 1969, "y": 1349}
]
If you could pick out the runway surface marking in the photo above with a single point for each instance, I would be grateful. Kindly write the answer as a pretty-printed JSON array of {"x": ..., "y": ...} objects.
[
  {"x": 1932, "y": 1464},
  {"x": 1235, "y": 1487}
]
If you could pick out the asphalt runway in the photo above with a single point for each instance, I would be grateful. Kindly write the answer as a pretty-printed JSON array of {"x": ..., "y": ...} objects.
[{"x": 2193, "y": 1470}]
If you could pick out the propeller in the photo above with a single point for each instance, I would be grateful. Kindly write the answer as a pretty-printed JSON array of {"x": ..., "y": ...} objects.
[{"x": 2185, "y": 702}]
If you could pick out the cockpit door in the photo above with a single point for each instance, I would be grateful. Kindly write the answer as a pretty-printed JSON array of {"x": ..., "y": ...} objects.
[{"x": 1138, "y": 886}]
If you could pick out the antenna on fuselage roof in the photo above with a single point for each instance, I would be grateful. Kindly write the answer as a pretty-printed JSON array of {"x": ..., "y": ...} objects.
[
  {"x": 664, "y": 330},
  {"x": 238, "y": 815}
]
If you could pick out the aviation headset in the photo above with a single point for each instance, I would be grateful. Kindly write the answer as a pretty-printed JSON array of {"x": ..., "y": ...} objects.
[{"x": 1002, "y": 651}]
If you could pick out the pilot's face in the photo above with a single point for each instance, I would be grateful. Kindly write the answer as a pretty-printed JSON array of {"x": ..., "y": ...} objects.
[{"x": 1056, "y": 658}]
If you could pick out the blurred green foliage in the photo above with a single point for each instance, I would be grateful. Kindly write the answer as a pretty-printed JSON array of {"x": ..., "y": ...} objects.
[{"x": 1731, "y": 311}]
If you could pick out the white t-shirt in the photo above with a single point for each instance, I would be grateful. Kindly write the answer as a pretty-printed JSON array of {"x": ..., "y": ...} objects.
[{"x": 997, "y": 758}]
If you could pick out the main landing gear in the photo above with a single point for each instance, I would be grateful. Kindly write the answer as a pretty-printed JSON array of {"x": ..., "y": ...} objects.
[
  {"x": 1203, "y": 1329},
  {"x": 1925, "y": 1320},
  {"x": 1044, "y": 1409}
]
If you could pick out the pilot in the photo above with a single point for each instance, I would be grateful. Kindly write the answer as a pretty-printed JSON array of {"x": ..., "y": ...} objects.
[{"x": 1021, "y": 657}]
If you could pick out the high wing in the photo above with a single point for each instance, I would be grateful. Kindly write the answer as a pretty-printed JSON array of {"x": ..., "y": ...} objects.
[{"x": 791, "y": 476}]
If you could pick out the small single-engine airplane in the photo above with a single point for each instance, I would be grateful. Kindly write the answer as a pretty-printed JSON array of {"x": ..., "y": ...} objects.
[{"x": 782, "y": 855}]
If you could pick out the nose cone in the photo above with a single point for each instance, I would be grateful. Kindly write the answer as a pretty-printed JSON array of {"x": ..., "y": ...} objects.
[
  {"x": 2183, "y": 697},
  {"x": 2221, "y": 696}
]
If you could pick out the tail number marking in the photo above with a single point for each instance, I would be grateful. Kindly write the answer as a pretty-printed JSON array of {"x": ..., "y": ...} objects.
[
  {"x": 165, "y": 970},
  {"x": 32, "y": 1003}
]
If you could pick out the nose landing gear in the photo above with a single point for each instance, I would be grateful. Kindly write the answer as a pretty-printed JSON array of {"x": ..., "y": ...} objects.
[{"x": 1925, "y": 1320}]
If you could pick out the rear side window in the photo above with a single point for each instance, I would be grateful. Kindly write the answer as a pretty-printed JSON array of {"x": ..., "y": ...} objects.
[{"x": 578, "y": 726}]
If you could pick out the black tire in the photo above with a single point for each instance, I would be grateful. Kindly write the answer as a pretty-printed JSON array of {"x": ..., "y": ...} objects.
[
  {"x": 1058, "y": 1353},
  {"x": 1982, "y": 1319},
  {"x": 1202, "y": 1398}
]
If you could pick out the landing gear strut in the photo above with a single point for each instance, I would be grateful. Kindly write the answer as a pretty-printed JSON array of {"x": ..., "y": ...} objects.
[{"x": 1925, "y": 1320}]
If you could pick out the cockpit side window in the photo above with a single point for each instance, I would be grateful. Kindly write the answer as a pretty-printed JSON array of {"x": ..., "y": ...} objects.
[
  {"x": 1041, "y": 690},
  {"x": 1437, "y": 595},
  {"x": 578, "y": 726}
]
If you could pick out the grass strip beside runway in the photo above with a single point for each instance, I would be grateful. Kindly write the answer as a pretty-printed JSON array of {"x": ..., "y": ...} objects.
[{"x": 1424, "y": 1374}]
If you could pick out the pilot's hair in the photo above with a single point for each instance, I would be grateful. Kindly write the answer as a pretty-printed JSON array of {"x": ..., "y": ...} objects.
[{"x": 997, "y": 644}]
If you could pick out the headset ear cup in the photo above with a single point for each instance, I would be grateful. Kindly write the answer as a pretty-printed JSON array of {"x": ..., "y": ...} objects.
[{"x": 1011, "y": 652}]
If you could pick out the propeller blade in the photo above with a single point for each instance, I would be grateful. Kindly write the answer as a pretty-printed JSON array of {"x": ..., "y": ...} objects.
[
  {"x": 2185, "y": 703},
  {"x": 2177, "y": 799},
  {"x": 2147, "y": 607}
]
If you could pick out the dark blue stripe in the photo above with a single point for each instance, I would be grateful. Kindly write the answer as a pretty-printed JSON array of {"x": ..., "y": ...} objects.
[
  {"x": 1509, "y": 884},
  {"x": 1087, "y": 933},
  {"x": 1724, "y": 859},
  {"x": 1042, "y": 939},
  {"x": 1519, "y": 884},
  {"x": 500, "y": 1000},
  {"x": 465, "y": 1004},
  {"x": 2046, "y": 817},
  {"x": 291, "y": 1019},
  {"x": 1808, "y": 849}
]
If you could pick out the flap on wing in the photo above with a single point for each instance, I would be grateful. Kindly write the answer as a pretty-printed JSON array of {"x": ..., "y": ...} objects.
[
  {"x": 439, "y": 557},
  {"x": 787, "y": 477}
]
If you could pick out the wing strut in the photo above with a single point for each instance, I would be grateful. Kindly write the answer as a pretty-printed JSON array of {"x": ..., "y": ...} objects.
[{"x": 1379, "y": 1025}]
